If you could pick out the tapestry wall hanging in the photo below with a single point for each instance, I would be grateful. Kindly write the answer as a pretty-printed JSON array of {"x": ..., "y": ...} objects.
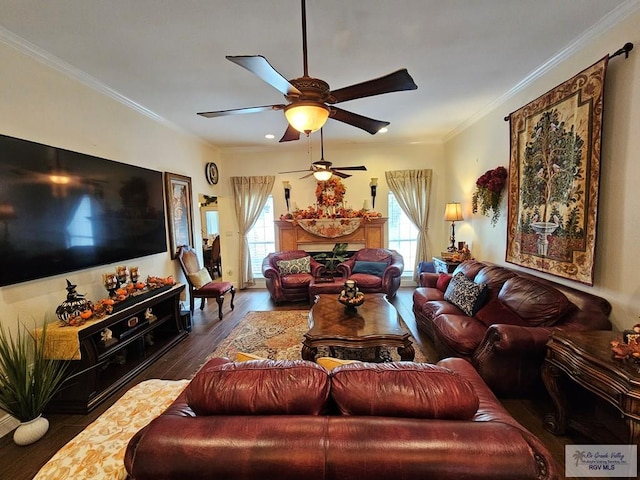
[{"x": 554, "y": 172}]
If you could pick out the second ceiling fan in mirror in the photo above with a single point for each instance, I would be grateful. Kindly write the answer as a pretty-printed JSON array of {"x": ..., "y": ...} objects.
[{"x": 323, "y": 170}]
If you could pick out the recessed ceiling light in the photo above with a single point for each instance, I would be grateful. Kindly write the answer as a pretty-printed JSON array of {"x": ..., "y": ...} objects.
[
  {"x": 269, "y": 136},
  {"x": 383, "y": 130}
]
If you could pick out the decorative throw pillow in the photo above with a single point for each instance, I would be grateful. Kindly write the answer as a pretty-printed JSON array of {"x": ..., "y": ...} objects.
[
  {"x": 245, "y": 357},
  {"x": 465, "y": 294},
  {"x": 443, "y": 281},
  {"x": 330, "y": 363},
  {"x": 296, "y": 265},
  {"x": 200, "y": 278},
  {"x": 372, "y": 268}
]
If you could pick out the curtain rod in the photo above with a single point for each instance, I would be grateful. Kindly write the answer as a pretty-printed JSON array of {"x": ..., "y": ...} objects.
[{"x": 626, "y": 48}]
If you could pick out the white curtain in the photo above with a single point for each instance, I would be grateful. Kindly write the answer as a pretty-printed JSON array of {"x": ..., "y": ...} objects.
[
  {"x": 412, "y": 189},
  {"x": 250, "y": 195}
]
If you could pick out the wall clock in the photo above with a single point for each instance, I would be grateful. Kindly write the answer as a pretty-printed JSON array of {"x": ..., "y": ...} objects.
[{"x": 211, "y": 173}]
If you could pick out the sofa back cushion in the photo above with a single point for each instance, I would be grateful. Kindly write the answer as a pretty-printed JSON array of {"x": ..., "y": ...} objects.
[
  {"x": 538, "y": 305},
  {"x": 402, "y": 389},
  {"x": 465, "y": 294},
  {"x": 494, "y": 277},
  {"x": 259, "y": 387}
]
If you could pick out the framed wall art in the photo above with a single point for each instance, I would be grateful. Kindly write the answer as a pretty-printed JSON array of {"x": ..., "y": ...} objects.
[
  {"x": 554, "y": 173},
  {"x": 179, "y": 215}
]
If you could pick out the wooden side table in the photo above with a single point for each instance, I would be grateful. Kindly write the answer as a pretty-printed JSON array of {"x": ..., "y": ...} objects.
[
  {"x": 444, "y": 266},
  {"x": 593, "y": 393}
]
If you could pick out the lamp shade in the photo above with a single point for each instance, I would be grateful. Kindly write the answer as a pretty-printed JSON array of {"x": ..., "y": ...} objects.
[
  {"x": 453, "y": 212},
  {"x": 306, "y": 117},
  {"x": 322, "y": 175}
]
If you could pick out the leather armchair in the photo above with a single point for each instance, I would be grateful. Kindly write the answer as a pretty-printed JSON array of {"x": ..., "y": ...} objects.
[
  {"x": 292, "y": 287},
  {"x": 388, "y": 282}
]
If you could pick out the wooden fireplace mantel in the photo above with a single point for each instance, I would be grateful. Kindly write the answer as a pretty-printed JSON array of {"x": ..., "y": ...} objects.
[{"x": 371, "y": 234}]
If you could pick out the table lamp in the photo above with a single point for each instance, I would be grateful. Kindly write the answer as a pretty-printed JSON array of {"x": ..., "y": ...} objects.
[{"x": 453, "y": 214}]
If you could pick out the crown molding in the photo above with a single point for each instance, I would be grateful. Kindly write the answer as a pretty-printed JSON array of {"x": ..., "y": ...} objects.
[{"x": 606, "y": 23}]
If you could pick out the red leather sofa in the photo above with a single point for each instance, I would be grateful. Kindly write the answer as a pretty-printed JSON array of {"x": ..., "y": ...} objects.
[
  {"x": 294, "y": 419},
  {"x": 506, "y": 338},
  {"x": 289, "y": 287},
  {"x": 361, "y": 268}
]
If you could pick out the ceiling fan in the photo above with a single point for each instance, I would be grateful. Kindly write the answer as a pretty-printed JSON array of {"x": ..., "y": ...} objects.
[
  {"x": 310, "y": 100},
  {"x": 322, "y": 169}
]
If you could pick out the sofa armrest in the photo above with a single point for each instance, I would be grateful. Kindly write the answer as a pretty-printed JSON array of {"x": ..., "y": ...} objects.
[
  {"x": 522, "y": 348},
  {"x": 317, "y": 268},
  {"x": 428, "y": 279},
  {"x": 345, "y": 268}
]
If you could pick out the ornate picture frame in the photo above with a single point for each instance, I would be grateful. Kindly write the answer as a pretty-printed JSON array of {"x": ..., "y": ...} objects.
[
  {"x": 177, "y": 191},
  {"x": 554, "y": 173}
]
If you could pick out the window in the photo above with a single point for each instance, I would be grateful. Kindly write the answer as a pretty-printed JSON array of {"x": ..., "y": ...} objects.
[
  {"x": 403, "y": 235},
  {"x": 262, "y": 238}
]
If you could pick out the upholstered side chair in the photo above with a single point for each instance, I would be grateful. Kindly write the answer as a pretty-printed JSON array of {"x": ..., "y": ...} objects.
[
  {"x": 288, "y": 275},
  {"x": 200, "y": 283}
]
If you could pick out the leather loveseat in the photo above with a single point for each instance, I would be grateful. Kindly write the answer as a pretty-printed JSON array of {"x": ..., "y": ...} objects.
[
  {"x": 375, "y": 270},
  {"x": 294, "y": 419},
  {"x": 505, "y": 335}
]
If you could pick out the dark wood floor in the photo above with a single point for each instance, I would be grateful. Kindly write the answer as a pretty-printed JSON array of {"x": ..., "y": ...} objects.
[{"x": 22, "y": 463}]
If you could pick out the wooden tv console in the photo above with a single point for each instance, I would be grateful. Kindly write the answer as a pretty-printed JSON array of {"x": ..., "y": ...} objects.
[{"x": 135, "y": 343}]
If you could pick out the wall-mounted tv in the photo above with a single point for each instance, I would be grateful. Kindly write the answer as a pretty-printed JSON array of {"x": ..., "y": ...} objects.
[{"x": 62, "y": 211}]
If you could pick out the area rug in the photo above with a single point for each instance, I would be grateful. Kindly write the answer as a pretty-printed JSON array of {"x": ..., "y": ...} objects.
[{"x": 278, "y": 335}]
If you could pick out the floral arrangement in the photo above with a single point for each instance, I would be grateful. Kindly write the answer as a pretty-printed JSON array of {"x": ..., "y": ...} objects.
[
  {"x": 329, "y": 204},
  {"x": 331, "y": 192},
  {"x": 631, "y": 350},
  {"x": 488, "y": 194}
]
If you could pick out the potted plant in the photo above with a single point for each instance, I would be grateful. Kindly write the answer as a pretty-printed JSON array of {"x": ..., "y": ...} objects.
[
  {"x": 333, "y": 258},
  {"x": 28, "y": 380}
]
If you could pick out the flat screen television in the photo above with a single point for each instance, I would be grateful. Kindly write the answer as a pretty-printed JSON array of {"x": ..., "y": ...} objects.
[{"x": 62, "y": 211}]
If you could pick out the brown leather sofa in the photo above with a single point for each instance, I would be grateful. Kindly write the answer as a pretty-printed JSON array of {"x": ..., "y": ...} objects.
[
  {"x": 506, "y": 338},
  {"x": 289, "y": 287},
  {"x": 361, "y": 265},
  {"x": 294, "y": 419}
]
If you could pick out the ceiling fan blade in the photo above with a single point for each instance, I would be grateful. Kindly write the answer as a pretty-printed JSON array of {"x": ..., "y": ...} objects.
[
  {"x": 394, "y": 82},
  {"x": 235, "y": 111},
  {"x": 296, "y": 171},
  {"x": 340, "y": 174},
  {"x": 365, "y": 123},
  {"x": 306, "y": 176},
  {"x": 359, "y": 167},
  {"x": 290, "y": 134},
  {"x": 260, "y": 66}
]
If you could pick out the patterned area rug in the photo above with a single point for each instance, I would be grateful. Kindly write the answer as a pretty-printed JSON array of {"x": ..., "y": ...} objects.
[{"x": 278, "y": 335}]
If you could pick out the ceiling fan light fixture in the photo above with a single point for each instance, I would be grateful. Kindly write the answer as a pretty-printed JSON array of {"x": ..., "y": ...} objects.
[
  {"x": 306, "y": 117},
  {"x": 323, "y": 175}
]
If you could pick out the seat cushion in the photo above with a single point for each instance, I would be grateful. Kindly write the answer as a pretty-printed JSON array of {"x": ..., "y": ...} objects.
[
  {"x": 215, "y": 288},
  {"x": 462, "y": 334},
  {"x": 296, "y": 280},
  {"x": 402, "y": 389},
  {"x": 259, "y": 387},
  {"x": 366, "y": 281}
]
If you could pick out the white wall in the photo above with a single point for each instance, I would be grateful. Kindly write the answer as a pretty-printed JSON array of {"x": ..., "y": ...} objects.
[
  {"x": 43, "y": 105},
  {"x": 377, "y": 158},
  {"x": 485, "y": 145}
]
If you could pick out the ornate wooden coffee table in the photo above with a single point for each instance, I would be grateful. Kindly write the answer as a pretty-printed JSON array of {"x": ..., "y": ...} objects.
[{"x": 376, "y": 323}]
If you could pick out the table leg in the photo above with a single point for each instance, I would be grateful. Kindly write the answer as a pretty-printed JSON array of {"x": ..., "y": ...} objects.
[
  {"x": 309, "y": 353},
  {"x": 556, "y": 422},
  {"x": 407, "y": 353}
]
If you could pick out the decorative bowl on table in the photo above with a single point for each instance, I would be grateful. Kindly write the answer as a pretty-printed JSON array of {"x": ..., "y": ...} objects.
[{"x": 351, "y": 302}]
